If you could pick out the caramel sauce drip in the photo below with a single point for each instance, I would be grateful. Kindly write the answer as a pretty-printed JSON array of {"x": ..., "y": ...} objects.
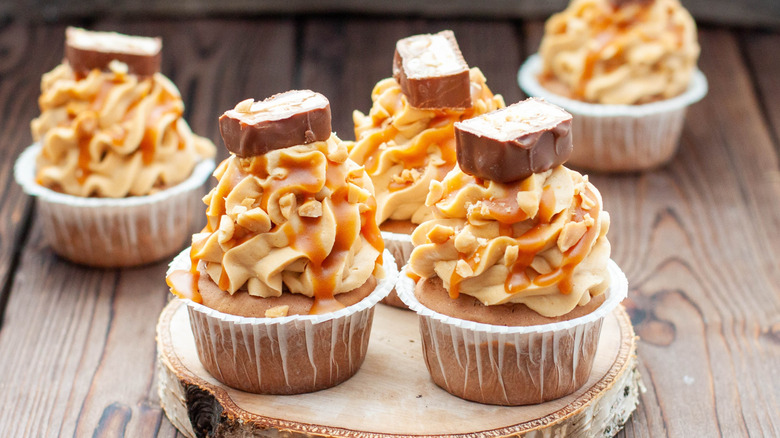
[
  {"x": 184, "y": 284},
  {"x": 147, "y": 145},
  {"x": 441, "y": 133},
  {"x": 573, "y": 256},
  {"x": 605, "y": 29},
  {"x": 506, "y": 210},
  {"x": 455, "y": 278},
  {"x": 217, "y": 207},
  {"x": 416, "y": 153},
  {"x": 304, "y": 234},
  {"x": 375, "y": 140},
  {"x": 369, "y": 229},
  {"x": 325, "y": 267},
  {"x": 546, "y": 205},
  {"x": 166, "y": 103},
  {"x": 531, "y": 243},
  {"x": 85, "y": 129},
  {"x": 83, "y": 138}
]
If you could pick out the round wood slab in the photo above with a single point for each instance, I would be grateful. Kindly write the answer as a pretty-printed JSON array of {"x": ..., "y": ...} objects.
[{"x": 392, "y": 394}]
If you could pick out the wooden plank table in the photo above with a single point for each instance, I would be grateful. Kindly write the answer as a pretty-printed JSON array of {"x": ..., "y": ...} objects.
[{"x": 698, "y": 239}]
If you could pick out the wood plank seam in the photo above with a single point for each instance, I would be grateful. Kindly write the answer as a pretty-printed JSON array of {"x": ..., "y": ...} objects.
[{"x": 21, "y": 238}]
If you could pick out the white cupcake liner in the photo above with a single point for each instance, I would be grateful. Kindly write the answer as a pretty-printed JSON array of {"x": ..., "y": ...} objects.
[
  {"x": 400, "y": 245},
  {"x": 511, "y": 365},
  {"x": 286, "y": 355},
  {"x": 619, "y": 137},
  {"x": 115, "y": 232}
]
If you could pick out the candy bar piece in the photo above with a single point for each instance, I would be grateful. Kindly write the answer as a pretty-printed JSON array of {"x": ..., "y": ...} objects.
[
  {"x": 512, "y": 143},
  {"x": 283, "y": 120},
  {"x": 87, "y": 50},
  {"x": 432, "y": 71}
]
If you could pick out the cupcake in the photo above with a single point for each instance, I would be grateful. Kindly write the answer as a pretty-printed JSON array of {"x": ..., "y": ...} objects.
[
  {"x": 281, "y": 284},
  {"x": 627, "y": 71},
  {"x": 407, "y": 139},
  {"x": 117, "y": 170},
  {"x": 513, "y": 277}
]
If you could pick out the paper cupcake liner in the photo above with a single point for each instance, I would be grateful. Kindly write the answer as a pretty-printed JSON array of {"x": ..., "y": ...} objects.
[
  {"x": 400, "y": 246},
  {"x": 115, "y": 232},
  {"x": 511, "y": 365},
  {"x": 619, "y": 138},
  {"x": 287, "y": 355}
]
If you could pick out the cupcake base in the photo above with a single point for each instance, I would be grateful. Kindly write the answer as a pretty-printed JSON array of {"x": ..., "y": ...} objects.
[
  {"x": 291, "y": 354},
  {"x": 292, "y": 358},
  {"x": 511, "y": 365},
  {"x": 109, "y": 232},
  {"x": 359, "y": 407}
]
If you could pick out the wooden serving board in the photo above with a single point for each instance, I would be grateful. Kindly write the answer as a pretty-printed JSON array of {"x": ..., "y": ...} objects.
[{"x": 392, "y": 394}]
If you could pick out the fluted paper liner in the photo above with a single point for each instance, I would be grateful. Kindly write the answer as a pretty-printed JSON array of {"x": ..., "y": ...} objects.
[
  {"x": 286, "y": 355},
  {"x": 511, "y": 366},
  {"x": 114, "y": 232},
  {"x": 619, "y": 138},
  {"x": 400, "y": 246}
]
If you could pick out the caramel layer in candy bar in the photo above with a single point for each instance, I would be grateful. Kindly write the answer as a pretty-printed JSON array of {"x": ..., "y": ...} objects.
[
  {"x": 512, "y": 143},
  {"x": 88, "y": 50},
  {"x": 432, "y": 72},
  {"x": 283, "y": 120}
]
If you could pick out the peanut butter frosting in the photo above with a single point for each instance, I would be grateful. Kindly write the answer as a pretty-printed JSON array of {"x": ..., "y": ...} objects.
[
  {"x": 404, "y": 148},
  {"x": 113, "y": 134},
  {"x": 539, "y": 242},
  {"x": 298, "y": 219},
  {"x": 637, "y": 52}
]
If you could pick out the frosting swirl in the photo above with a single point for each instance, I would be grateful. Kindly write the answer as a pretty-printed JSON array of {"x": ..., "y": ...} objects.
[
  {"x": 113, "y": 134},
  {"x": 298, "y": 219},
  {"x": 540, "y": 242},
  {"x": 634, "y": 53},
  {"x": 404, "y": 148}
]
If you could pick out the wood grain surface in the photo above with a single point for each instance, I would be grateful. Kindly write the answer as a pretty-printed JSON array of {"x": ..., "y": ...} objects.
[
  {"x": 698, "y": 238},
  {"x": 381, "y": 402},
  {"x": 725, "y": 12}
]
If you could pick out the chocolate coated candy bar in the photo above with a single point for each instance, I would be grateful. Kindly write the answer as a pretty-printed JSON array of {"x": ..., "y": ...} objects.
[
  {"x": 512, "y": 143},
  {"x": 432, "y": 71},
  {"x": 87, "y": 50},
  {"x": 283, "y": 120}
]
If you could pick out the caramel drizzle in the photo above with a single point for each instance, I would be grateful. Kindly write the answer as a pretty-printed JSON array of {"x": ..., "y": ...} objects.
[
  {"x": 607, "y": 26},
  {"x": 440, "y": 133},
  {"x": 304, "y": 234},
  {"x": 85, "y": 128},
  {"x": 184, "y": 284},
  {"x": 531, "y": 243},
  {"x": 574, "y": 255},
  {"x": 166, "y": 103}
]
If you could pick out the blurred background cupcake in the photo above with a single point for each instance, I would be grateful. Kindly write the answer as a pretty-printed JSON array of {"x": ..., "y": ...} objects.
[
  {"x": 627, "y": 71},
  {"x": 116, "y": 169}
]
